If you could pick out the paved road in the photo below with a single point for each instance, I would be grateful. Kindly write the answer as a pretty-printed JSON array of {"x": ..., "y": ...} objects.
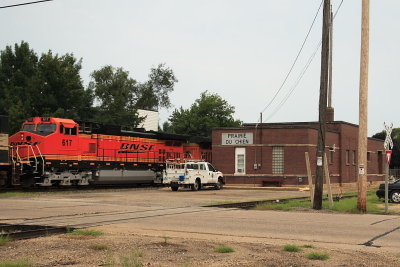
[{"x": 161, "y": 212}]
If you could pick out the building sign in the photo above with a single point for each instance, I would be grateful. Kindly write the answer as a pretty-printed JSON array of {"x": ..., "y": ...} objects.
[{"x": 237, "y": 139}]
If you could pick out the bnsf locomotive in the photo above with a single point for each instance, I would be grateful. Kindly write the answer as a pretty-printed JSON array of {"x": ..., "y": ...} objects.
[{"x": 63, "y": 152}]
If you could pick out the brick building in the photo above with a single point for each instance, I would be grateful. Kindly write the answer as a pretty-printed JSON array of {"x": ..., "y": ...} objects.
[{"x": 275, "y": 153}]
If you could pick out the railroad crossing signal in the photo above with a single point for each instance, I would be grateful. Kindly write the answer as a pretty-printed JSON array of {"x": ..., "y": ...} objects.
[
  {"x": 388, "y": 156},
  {"x": 388, "y": 144}
]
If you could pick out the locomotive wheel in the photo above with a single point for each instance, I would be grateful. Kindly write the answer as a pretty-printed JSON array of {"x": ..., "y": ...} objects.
[{"x": 27, "y": 182}]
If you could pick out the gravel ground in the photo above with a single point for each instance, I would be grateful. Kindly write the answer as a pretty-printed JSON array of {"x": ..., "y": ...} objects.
[{"x": 142, "y": 250}]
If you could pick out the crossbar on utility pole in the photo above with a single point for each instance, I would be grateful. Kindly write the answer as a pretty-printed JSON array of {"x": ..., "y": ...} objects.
[
  {"x": 319, "y": 180},
  {"x": 363, "y": 110}
]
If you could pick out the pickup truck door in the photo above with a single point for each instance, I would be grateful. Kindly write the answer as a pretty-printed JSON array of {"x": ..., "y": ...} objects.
[
  {"x": 203, "y": 173},
  {"x": 212, "y": 174}
]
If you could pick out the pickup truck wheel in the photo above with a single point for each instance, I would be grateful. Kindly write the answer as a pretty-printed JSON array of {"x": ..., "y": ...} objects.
[
  {"x": 219, "y": 185},
  {"x": 395, "y": 196},
  {"x": 174, "y": 188},
  {"x": 196, "y": 186}
]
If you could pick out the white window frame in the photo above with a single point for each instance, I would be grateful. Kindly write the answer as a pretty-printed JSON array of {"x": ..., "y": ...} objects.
[{"x": 240, "y": 151}]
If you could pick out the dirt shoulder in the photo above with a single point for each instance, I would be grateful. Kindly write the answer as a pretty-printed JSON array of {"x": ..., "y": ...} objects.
[{"x": 118, "y": 245}]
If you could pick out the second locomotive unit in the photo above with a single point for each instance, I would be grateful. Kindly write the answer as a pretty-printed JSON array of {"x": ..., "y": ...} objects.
[{"x": 53, "y": 151}]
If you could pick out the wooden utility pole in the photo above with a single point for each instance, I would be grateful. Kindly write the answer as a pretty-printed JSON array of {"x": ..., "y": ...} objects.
[
  {"x": 330, "y": 60},
  {"x": 363, "y": 110},
  {"x": 319, "y": 181}
]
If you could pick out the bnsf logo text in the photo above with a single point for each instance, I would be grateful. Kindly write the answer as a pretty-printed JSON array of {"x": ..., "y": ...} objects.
[{"x": 137, "y": 147}]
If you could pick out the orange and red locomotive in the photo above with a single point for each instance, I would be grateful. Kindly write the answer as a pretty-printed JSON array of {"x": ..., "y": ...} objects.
[{"x": 54, "y": 151}]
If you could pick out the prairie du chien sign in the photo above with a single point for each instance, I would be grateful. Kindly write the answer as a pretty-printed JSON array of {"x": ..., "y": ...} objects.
[{"x": 237, "y": 139}]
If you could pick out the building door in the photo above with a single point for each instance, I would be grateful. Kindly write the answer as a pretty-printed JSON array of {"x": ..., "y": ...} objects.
[{"x": 240, "y": 160}]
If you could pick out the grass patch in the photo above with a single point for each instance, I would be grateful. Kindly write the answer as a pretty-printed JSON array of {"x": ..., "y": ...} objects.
[
  {"x": 317, "y": 256},
  {"x": 223, "y": 249},
  {"x": 134, "y": 259},
  {"x": 18, "y": 263},
  {"x": 85, "y": 232},
  {"x": 98, "y": 246},
  {"x": 18, "y": 194},
  {"x": 308, "y": 246},
  {"x": 345, "y": 205},
  {"x": 291, "y": 248},
  {"x": 5, "y": 239},
  {"x": 284, "y": 205}
]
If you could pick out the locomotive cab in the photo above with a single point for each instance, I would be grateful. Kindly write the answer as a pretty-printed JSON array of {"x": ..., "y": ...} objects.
[{"x": 32, "y": 149}]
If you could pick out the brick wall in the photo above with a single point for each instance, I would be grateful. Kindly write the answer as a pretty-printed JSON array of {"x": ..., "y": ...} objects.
[{"x": 296, "y": 139}]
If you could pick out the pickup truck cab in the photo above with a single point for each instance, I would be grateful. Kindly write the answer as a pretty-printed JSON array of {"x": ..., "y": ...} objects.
[{"x": 192, "y": 174}]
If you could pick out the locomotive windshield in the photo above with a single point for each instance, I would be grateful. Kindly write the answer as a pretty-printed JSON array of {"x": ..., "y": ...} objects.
[
  {"x": 29, "y": 128},
  {"x": 41, "y": 129},
  {"x": 46, "y": 129}
]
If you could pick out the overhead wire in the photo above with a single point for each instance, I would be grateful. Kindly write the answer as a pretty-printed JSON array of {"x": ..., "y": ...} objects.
[
  {"x": 26, "y": 3},
  {"x": 295, "y": 60},
  {"x": 304, "y": 70}
]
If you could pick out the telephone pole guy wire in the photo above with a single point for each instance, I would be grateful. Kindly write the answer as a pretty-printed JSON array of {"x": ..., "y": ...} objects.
[
  {"x": 24, "y": 4},
  {"x": 295, "y": 60},
  {"x": 304, "y": 70}
]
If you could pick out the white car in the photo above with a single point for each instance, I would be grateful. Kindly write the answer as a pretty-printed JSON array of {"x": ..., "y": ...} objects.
[{"x": 191, "y": 174}]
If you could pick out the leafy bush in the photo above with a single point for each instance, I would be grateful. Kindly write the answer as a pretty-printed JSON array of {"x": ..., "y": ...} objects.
[
  {"x": 291, "y": 248},
  {"x": 223, "y": 249},
  {"x": 18, "y": 263},
  {"x": 317, "y": 256},
  {"x": 98, "y": 246},
  {"x": 5, "y": 239},
  {"x": 86, "y": 232}
]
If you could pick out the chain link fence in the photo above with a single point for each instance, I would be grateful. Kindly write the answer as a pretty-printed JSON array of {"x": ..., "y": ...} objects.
[{"x": 395, "y": 173}]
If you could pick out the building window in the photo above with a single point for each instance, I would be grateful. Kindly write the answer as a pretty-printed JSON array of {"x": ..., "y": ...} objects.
[
  {"x": 347, "y": 157},
  {"x": 240, "y": 160},
  {"x": 354, "y": 157},
  {"x": 278, "y": 160},
  {"x": 368, "y": 156},
  {"x": 380, "y": 162}
]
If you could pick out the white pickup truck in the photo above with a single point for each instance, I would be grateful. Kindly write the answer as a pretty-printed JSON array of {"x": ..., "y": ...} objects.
[{"x": 192, "y": 174}]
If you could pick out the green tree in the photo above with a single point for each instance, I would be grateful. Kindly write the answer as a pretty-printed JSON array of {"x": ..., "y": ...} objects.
[
  {"x": 49, "y": 85},
  {"x": 208, "y": 111},
  {"x": 154, "y": 93},
  {"x": 119, "y": 96},
  {"x": 115, "y": 92},
  {"x": 395, "y": 161}
]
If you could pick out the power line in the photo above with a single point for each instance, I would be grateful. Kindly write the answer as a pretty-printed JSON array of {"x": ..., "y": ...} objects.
[
  {"x": 24, "y": 4},
  {"x": 304, "y": 70},
  {"x": 297, "y": 57}
]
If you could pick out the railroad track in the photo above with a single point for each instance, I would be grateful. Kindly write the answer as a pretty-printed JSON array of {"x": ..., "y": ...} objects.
[
  {"x": 70, "y": 188},
  {"x": 18, "y": 231},
  {"x": 36, "y": 227}
]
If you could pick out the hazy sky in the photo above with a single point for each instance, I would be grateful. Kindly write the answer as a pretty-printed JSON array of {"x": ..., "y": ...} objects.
[{"x": 241, "y": 50}]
